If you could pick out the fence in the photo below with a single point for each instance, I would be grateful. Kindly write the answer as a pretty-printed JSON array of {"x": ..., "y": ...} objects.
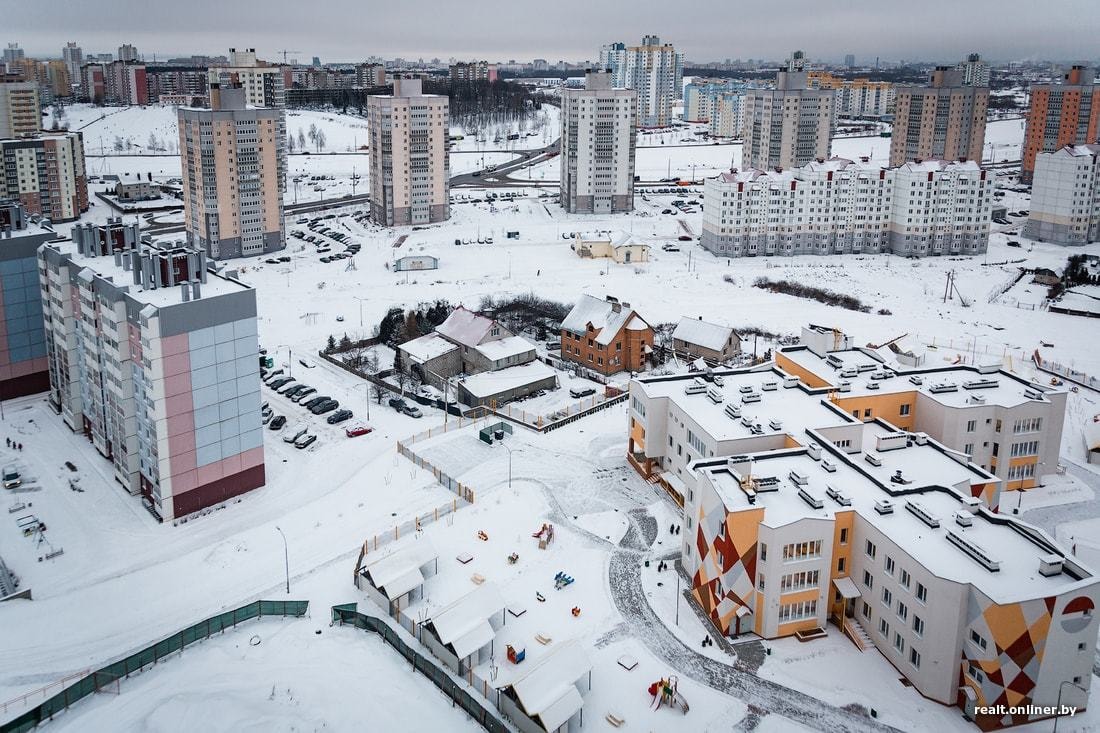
[
  {"x": 1061, "y": 370},
  {"x": 475, "y": 708},
  {"x": 150, "y": 655}
]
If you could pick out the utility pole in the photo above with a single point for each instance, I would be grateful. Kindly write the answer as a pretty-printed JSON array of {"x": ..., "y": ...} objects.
[{"x": 286, "y": 560}]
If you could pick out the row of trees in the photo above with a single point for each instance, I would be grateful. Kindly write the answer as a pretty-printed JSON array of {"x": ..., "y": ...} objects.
[{"x": 316, "y": 137}]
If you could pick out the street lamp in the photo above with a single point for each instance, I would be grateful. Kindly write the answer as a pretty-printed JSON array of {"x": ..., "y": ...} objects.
[
  {"x": 1058, "y": 710},
  {"x": 509, "y": 462},
  {"x": 360, "y": 309},
  {"x": 286, "y": 560}
]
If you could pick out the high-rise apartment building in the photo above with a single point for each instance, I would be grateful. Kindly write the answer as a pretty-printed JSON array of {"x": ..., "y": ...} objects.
[
  {"x": 728, "y": 118},
  {"x": 20, "y": 110},
  {"x": 45, "y": 173},
  {"x": 233, "y": 158},
  {"x": 1065, "y": 196},
  {"x": 1061, "y": 114},
  {"x": 856, "y": 97},
  {"x": 598, "y": 136},
  {"x": 128, "y": 52},
  {"x": 409, "y": 163},
  {"x": 839, "y": 206},
  {"x": 23, "y": 368},
  {"x": 115, "y": 83},
  {"x": 155, "y": 360},
  {"x": 654, "y": 70},
  {"x": 849, "y": 61},
  {"x": 73, "y": 56},
  {"x": 790, "y": 125},
  {"x": 473, "y": 71},
  {"x": 370, "y": 75},
  {"x": 975, "y": 71},
  {"x": 701, "y": 98},
  {"x": 13, "y": 56},
  {"x": 943, "y": 120},
  {"x": 264, "y": 85}
]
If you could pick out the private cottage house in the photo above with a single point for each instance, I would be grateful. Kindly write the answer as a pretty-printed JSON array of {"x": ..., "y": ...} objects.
[{"x": 606, "y": 336}]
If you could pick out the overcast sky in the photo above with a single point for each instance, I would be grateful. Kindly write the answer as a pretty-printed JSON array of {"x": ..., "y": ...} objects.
[{"x": 350, "y": 30}]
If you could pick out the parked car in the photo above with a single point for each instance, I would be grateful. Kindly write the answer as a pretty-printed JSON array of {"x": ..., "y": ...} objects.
[
  {"x": 578, "y": 392},
  {"x": 294, "y": 390},
  {"x": 326, "y": 406},
  {"x": 266, "y": 417},
  {"x": 277, "y": 422},
  {"x": 340, "y": 416},
  {"x": 313, "y": 402},
  {"x": 553, "y": 346},
  {"x": 354, "y": 431},
  {"x": 412, "y": 411},
  {"x": 292, "y": 434},
  {"x": 397, "y": 403},
  {"x": 670, "y": 247},
  {"x": 303, "y": 394},
  {"x": 1013, "y": 243},
  {"x": 276, "y": 383},
  {"x": 273, "y": 374},
  {"x": 305, "y": 441},
  {"x": 286, "y": 388},
  {"x": 685, "y": 238}
]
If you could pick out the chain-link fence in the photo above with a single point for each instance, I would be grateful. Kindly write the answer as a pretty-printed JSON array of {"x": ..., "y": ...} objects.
[
  {"x": 150, "y": 655},
  {"x": 475, "y": 708}
]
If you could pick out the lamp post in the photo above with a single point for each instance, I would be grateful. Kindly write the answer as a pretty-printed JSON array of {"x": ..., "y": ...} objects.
[
  {"x": 360, "y": 309},
  {"x": 286, "y": 560},
  {"x": 1058, "y": 711},
  {"x": 509, "y": 462}
]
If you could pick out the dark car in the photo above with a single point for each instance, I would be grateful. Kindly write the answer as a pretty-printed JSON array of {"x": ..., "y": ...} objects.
[
  {"x": 578, "y": 392},
  {"x": 324, "y": 407},
  {"x": 279, "y": 382},
  {"x": 397, "y": 403},
  {"x": 277, "y": 422},
  {"x": 303, "y": 394},
  {"x": 685, "y": 238},
  {"x": 339, "y": 416},
  {"x": 313, "y": 402},
  {"x": 295, "y": 390},
  {"x": 1013, "y": 243}
]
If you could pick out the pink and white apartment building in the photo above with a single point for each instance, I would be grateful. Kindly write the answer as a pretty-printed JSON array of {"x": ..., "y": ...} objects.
[{"x": 155, "y": 360}]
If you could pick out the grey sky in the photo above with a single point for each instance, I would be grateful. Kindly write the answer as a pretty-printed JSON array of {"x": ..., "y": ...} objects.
[{"x": 349, "y": 30}]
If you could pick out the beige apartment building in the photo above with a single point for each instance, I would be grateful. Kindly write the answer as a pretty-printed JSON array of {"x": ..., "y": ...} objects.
[
  {"x": 45, "y": 173},
  {"x": 944, "y": 120},
  {"x": 233, "y": 158},
  {"x": 788, "y": 126},
  {"x": 409, "y": 165},
  {"x": 264, "y": 84},
  {"x": 598, "y": 137},
  {"x": 20, "y": 112}
]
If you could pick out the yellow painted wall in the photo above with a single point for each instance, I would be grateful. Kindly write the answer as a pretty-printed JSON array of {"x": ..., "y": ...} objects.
[
  {"x": 793, "y": 627},
  {"x": 842, "y": 520},
  {"x": 808, "y": 378},
  {"x": 886, "y": 406},
  {"x": 637, "y": 434}
]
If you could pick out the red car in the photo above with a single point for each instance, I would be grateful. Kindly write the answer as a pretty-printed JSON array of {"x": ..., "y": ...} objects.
[{"x": 357, "y": 430}]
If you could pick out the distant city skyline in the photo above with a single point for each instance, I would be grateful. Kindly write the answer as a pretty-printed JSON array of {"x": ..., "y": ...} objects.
[{"x": 339, "y": 30}]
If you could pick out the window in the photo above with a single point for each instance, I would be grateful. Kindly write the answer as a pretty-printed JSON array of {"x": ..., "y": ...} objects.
[
  {"x": 918, "y": 625},
  {"x": 840, "y": 565},
  {"x": 968, "y": 449},
  {"x": 796, "y": 611},
  {"x": 976, "y": 673},
  {"x": 899, "y": 642},
  {"x": 866, "y": 610},
  {"x": 843, "y": 535},
  {"x": 903, "y": 611},
  {"x": 1028, "y": 425},
  {"x": 883, "y": 627},
  {"x": 903, "y": 579},
  {"x": 922, "y": 593},
  {"x": 887, "y": 597},
  {"x": 914, "y": 658},
  {"x": 802, "y": 550},
  {"x": 1027, "y": 448},
  {"x": 905, "y": 409},
  {"x": 889, "y": 565},
  {"x": 763, "y": 552},
  {"x": 760, "y": 582},
  {"x": 978, "y": 640},
  {"x": 798, "y": 581},
  {"x": 870, "y": 549},
  {"x": 971, "y": 425},
  {"x": 868, "y": 580}
]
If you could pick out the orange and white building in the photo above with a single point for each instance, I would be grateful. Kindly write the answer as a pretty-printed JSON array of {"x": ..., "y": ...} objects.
[
  {"x": 805, "y": 509},
  {"x": 606, "y": 336}
]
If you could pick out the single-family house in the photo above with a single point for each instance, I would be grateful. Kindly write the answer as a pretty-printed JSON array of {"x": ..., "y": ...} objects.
[
  {"x": 699, "y": 339},
  {"x": 132, "y": 187},
  {"x": 606, "y": 336},
  {"x": 620, "y": 246}
]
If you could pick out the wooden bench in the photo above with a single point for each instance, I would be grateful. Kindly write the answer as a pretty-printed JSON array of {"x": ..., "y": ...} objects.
[{"x": 614, "y": 720}]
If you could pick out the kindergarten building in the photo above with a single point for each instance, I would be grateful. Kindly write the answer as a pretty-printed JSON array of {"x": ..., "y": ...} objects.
[{"x": 810, "y": 499}]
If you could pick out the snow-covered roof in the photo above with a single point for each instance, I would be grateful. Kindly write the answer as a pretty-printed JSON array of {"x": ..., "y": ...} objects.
[
  {"x": 548, "y": 691},
  {"x": 505, "y": 347},
  {"x": 428, "y": 347},
  {"x": 487, "y": 384},
  {"x": 465, "y": 327},
  {"x": 1078, "y": 151},
  {"x": 132, "y": 178},
  {"x": 602, "y": 315},
  {"x": 399, "y": 572},
  {"x": 933, "y": 166},
  {"x": 618, "y": 238},
  {"x": 702, "y": 333},
  {"x": 464, "y": 624}
]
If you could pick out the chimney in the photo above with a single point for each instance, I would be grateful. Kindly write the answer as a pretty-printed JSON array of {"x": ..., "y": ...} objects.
[
  {"x": 202, "y": 266},
  {"x": 135, "y": 265},
  {"x": 118, "y": 259},
  {"x": 185, "y": 292},
  {"x": 196, "y": 290}
]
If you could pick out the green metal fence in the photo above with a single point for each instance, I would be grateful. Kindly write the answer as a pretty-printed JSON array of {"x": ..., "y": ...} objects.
[
  {"x": 150, "y": 655},
  {"x": 475, "y": 708}
]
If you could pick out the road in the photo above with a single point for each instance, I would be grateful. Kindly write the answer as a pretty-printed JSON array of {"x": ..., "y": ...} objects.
[{"x": 307, "y": 207}]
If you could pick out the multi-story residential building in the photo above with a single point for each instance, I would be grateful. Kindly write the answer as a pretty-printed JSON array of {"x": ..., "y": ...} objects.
[
  {"x": 409, "y": 162},
  {"x": 597, "y": 146},
  {"x": 943, "y": 120},
  {"x": 728, "y": 119},
  {"x": 1065, "y": 196},
  {"x": 1061, "y": 114},
  {"x": 155, "y": 360},
  {"x": 975, "y": 71},
  {"x": 58, "y": 80},
  {"x": 45, "y": 173},
  {"x": 115, "y": 83},
  {"x": 839, "y": 206},
  {"x": 128, "y": 52},
  {"x": 849, "y": 61},
  {"x": 789, "y": 125},
  {"x": 856, "y": 97},
  {"x": 701, "y": 97},
  {"x": 264, "y": 84},
  {"x": 176, "y": 82},
  {"x": 233, "y": 158},
  {"x": 23, "y": 367},
  {"x": 13, "y": 56},
  {"x": 73, "y": 57},
  {"x": 473, "y": 71},
  {"x": 654, "y": 70},
  {"x": 606, "y": 336},
  {"x": 20, "y": 110},
  {"x": 370, "y": 75}
]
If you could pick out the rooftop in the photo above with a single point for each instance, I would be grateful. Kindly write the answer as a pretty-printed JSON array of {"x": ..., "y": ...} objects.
[
  {"x": 702, "y": 333},
  {"x": 505, "y": 347},
  {"x": 465, "y": 327},
  {"x": 487, "y": 384},
  {"x": 427, "y": 347},
  {"x": 608, "y": 316}
]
